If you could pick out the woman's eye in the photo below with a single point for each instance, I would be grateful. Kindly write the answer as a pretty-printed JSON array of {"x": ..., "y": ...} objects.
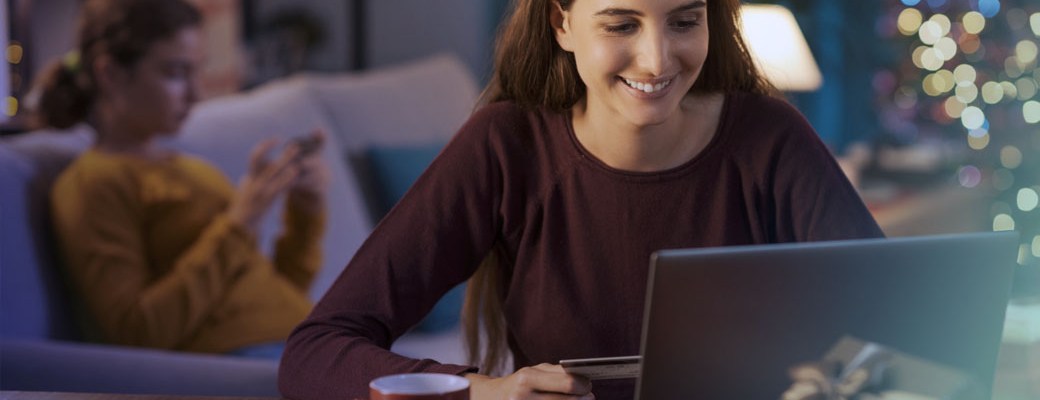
[
  {"x": 685, "y": 25},
  {"x": 621, "y": 28}
]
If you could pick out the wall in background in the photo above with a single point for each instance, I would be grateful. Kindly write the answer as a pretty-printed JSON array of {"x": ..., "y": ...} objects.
[
  {"x": 52, "y": 31},
  {"x": 222, "y": 69},
  {"x": 333, "y": 54},
  {"x": 396, "y": 31},
  {"x": 400, "y": 30}
]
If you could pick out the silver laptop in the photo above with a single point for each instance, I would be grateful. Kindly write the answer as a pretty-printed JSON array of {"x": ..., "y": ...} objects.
[{"x": 728, "y": 323}]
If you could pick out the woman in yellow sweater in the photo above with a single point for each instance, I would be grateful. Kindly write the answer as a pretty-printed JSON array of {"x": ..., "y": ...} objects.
[{"x": 159, "y": 245}]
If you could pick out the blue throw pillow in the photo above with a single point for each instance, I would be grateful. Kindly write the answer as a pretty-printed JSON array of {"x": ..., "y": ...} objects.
[{"x": 394, "y": 170}]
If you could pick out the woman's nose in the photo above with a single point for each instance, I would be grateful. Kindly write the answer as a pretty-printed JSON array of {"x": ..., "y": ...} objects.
[{"x": 654, "y": 52}]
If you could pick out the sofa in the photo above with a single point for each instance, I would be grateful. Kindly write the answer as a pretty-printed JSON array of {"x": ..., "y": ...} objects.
[{"x": 385, "y": 126}]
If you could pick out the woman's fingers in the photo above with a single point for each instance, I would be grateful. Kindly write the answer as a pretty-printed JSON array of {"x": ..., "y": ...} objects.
[
  {"x": 258, "y": 156},
  {"x": 552, "y": 379}
]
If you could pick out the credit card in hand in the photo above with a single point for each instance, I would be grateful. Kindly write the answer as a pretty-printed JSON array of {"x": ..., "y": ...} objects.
[{"x": 605, "y": 367}]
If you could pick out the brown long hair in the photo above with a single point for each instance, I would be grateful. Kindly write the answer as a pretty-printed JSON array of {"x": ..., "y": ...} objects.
[
  {"x": 121, "y": 29},
  {"x": 533, "y": 71}
]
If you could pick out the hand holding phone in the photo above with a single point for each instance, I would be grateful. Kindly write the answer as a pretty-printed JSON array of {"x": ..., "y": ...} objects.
[{"x": 307, "y": 144}]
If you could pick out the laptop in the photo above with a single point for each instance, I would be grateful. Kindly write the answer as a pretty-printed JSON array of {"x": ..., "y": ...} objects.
[{"x": 729, "y": 323}]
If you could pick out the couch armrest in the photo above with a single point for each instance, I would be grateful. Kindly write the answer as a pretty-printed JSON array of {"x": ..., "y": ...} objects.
[{"x": 42, "y": 365}]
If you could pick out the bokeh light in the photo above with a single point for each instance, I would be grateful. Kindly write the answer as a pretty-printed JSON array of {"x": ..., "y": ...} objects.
[
  {"x": 14, "y": 53},
  {"x": 969, "y": 43},
  {"x": 1012, "y": 67},
  {"x": 947, "y": 79},
  {"x": 1026, "y": 88},
  {"x": 1031, "y": 111},
  {"x": 944, "y": 22},
  {"x": 973, "y": 22},
  {"x": 1034, "y": 22},
  {"x": 978, "y": 142},
  {"x": 940, "y": 82},
  {"x": 910, "y": 3},
  {"x": 947, "y": 48},
  {"x": 989, "y": 8},
  {"x": 1026, "y": 51},
  {"x": 965, "y": 74},
  {"x": 906, "y": 97},
  {"x": 1003, "y": 222},
  {"x": 954, "y": 107},
  {"x": 932, "y": 59},
  {"x": 1003, "y": 180},
  {"x": 1036, "y": 246},
  {"x": 930, "y": 32},
  {"x": 909, "y": 21},
  {"x": 992, "y": 92},
  {"x": 1010, "y": 157},
  {"x": 1028, "y": 199},
  {"x": 11, "y": 106},
  {"x": 918, "y": 56},
  {"x": 967, "y": 94},
  {"x": 1017, "y": 18},
  {"x": 1010, "y": 90},
  {"x": 973, "y": 117},
  {"x": 969, "y": 176}
]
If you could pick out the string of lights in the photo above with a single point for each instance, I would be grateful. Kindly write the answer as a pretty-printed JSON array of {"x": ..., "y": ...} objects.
[{"x": 967, "y": 73}]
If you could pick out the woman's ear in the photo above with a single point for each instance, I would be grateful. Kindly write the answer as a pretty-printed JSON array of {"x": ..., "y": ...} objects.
[
  {"x": 108, "y": 76},
  {"x": 560, "y": 21}
]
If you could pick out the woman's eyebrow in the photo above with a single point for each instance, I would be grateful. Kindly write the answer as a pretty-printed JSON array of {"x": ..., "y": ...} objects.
[{"x": 614, "y": 11}]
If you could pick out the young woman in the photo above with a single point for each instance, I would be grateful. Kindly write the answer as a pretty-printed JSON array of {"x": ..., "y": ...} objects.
[
  {"x": 612, "y": 129},
  {"x": 159, "y": 245}
]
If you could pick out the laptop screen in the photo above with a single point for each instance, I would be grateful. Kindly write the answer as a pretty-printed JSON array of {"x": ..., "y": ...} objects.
[{"x": 731, "y": 323}]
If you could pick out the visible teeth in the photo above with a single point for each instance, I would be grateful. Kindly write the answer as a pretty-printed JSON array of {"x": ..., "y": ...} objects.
[{"x": 646, "y": 87}]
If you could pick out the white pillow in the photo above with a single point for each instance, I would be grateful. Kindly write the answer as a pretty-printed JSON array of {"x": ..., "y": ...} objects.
[
  {"x": 422, "y": 102},
  {"x": 224, "y": 130}
]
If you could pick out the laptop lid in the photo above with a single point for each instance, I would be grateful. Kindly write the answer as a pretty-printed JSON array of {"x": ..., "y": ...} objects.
[{"x": 728, "y": 323}]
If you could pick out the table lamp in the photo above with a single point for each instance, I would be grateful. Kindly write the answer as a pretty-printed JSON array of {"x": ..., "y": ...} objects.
[{"x": 779, "y": 48}]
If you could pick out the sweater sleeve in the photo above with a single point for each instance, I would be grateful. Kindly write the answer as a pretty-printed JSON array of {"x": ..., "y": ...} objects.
[
  {"x": 297, "y": 254},
  {"x": 814, "y": 199},
  {"x": 432, "y": 240},
  {"x": 98, "y": 220}
]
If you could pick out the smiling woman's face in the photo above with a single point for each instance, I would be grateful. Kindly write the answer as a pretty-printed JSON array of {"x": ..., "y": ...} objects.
[{"x": 637, "y": 58}]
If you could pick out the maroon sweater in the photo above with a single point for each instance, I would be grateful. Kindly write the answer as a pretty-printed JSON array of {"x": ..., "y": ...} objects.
[{"x": 580, "y": 234}]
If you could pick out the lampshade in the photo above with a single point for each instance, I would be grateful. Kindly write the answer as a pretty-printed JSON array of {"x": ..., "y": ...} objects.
[{"x": 779, "y": 48}]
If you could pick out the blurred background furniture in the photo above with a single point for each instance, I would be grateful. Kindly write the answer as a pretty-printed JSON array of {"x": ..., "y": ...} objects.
[{"x": 396, "y": 109}]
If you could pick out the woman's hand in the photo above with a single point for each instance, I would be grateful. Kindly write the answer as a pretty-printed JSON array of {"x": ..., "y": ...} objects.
[
  {"x": 307, "y": 193},
  {"x": 263, "y": 183},
  {"x": 542, "y": 381}
]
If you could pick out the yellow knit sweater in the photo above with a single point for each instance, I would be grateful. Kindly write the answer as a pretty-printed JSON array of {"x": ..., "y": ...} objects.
[{"x": 150, "y": 250}]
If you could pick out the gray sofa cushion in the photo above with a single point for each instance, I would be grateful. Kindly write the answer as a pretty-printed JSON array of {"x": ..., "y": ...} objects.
[{"x": 33, "y": 302}]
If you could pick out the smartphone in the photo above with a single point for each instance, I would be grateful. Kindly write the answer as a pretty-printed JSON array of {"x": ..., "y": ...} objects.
[{"x": 308, "y": 144}]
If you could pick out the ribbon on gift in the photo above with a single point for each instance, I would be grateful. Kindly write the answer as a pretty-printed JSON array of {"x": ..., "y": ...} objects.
[{"x": 828, "y": 380}]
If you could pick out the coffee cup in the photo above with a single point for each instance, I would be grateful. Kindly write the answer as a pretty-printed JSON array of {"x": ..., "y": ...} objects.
[{"x": 422, "y": 386}]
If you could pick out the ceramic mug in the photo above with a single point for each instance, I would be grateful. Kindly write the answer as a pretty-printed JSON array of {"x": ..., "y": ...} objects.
[{"x": 424, "y": 386}]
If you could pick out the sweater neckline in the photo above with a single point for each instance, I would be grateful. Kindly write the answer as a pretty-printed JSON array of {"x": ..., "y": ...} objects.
[
  {"x": 716, "y": 141},
  {"x": 170, "y": 159}
]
